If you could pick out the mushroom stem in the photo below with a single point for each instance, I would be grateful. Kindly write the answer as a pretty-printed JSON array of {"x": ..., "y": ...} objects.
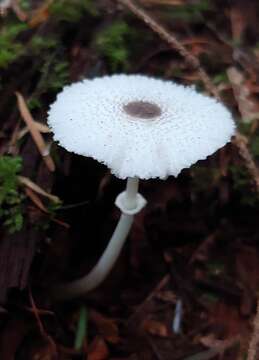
[
  {"x": 131, "y": 193},
  {"x": 111, "y": 253}
]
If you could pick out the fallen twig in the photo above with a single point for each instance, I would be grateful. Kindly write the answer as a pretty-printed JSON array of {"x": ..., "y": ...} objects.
[
  {"x": 39, "y": 204},
  {"x": 41, "y": 127},
  {"x": 239, "y": 141},
  {"x": 30, "y": 184},
  {"x": 35, "y": 133},
  {"x": 36, "y": 200}
]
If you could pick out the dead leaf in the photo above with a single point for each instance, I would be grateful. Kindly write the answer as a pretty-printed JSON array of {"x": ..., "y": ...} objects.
[
  {"x": 98, "y": 349},
  {"x": 40, "y": 15},
  {"x": 243, "y": 17},
  {"x": 107, "y": 327},
  {"x": 211, "y": 341},
  {"x": 238, "y": 21},
  {"x": 42, "y": 352},
  {"x": 201, "y": 254},
  {"x": 215, "y": 351},
  {"x": 155, "y": 327},
  {"x": 36, "y": 135},
  {"x": 228, "y": 318}
]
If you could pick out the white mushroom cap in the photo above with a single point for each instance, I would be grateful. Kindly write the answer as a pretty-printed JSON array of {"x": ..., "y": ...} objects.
[{"x": 139, "y": 126}]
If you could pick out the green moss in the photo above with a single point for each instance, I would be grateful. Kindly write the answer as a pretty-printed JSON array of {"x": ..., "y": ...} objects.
[
  {"x": 72, "y": 10},
  {"x": 244, "y": 128},
  {"x": 10, "y": 48},
  {"x": 40, "y": 43},
  {"x": 34, "y": 103},
  {"x": 54, "y": 75},
  {"x": 221, "y": 78},
  {"x": 113, "y": 43},
  {"x": 58, "y": 76},
  {"x": 10, "y": 197}
]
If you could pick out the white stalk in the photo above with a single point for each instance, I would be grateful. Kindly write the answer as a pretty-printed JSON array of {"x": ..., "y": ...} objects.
[
  {"x": 111, "y": 253},
  {"x": 131, "y": 193}
]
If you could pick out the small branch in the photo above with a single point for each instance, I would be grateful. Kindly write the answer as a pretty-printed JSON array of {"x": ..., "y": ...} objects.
[
  {"x": 192, "y": 60},
  {"x": 35, "y": 133},
  {"x": 240, "y": 141}
]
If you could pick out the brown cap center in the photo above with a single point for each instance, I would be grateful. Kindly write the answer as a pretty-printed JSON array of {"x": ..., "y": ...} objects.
[{"x": 142, "y": 109}]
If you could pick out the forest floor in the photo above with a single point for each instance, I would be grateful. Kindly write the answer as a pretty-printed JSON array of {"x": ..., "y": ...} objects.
[{"x": 192, "y": 255}]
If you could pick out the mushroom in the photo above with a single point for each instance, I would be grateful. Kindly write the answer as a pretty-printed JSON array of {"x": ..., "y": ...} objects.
[{"x": 141, "y": 128}]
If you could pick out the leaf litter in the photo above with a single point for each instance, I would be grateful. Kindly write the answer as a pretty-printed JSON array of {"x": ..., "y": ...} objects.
[{"x": 196, "y": 241}]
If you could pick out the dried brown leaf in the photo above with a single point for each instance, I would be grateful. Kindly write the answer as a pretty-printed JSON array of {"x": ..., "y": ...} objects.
[
  {"x": 238, "y": 21},
  {"x": 211, "y": 341},
  {"x": 243, "y": 17},
  {"x": 98, "y": 349},
  {"x": 227, "y": 317},
  {"x": 155, "y": 327},
  {"x": 107, "y": 327},
  {"x": 40, "y": 15}
]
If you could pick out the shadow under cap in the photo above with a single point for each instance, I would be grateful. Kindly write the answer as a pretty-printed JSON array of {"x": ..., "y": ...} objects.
[{"x": 142, "y": 109}]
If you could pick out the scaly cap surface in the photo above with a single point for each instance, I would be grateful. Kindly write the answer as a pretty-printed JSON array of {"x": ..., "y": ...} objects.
[{"x": 139, "y": 126}]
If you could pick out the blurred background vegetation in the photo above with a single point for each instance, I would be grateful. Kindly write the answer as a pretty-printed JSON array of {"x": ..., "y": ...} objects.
[{"x": 202, "y": 226}]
